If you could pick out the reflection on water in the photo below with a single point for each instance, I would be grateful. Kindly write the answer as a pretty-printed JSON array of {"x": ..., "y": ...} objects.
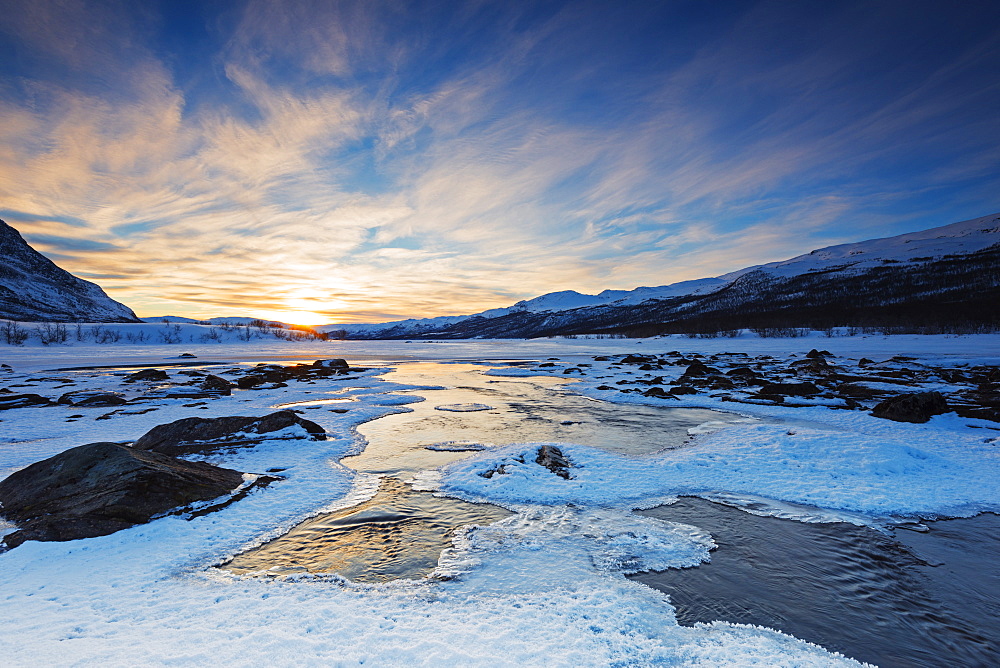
[
  {"x": 851, "y": 589},
  {"x": 313, "y": 402},
  {"x": 396, "y": 534},
  {"x": 541, "y": 409},
  {"x": 400, "y": 533}
]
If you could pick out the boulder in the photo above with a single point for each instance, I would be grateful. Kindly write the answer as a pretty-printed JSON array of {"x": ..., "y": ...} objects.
[
  {"x": 683, "y": 389},
  {"x": 700, "y": 369},
  {"x": 199, "y": 435},
  {"x": 790, "y": 389},
  {"x": 217, "y": 384},
  {"x": 85, "y": 398},
  {"x": 554, "y": 460},
  {"x": 335, "y": 363},
  {"x": 97, "y": 489},
  {"x": 148, "y": 375},
  {"x": 8, "y": 401},
  {"x": 658, "y": 392},
  {"x": 916, "y": 407}
]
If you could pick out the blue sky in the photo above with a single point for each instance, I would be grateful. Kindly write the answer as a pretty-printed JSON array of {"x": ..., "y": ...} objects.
[{"x": 364, "y": 161}]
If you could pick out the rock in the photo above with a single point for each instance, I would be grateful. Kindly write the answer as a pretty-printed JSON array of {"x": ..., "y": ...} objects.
[
  {"x": 600, "y": 358},
  {"x": 97, "y": 489},
  {"x": 187, "y": 356},
  {"x": 636, "y": 359},
  {"x": 605, "y": 387},
  {"x": 790, "y": 389},
  {"x": 198, "y": 435},
  {"x": 335, "y": 363},
  {"x": 217, "y": 384},
  {"x": 147, "y": 375},
  {"x": 700, "y": 369},
  {"x": 864, "y": 361},
  {"x": 546, "y": 364},
  {"x": 8, "y": 401},
  {"x": 6, "y": 368},
  {"x": 85, "y": 398},
  {"x": 683, "y": 389},
  {"x": 857, "y": 391},
  {"x": 818, "y": 354},
  {"x": 916, "y": 407},
  {"x": 658, "y": 392},
  {"x": 553, "y": 459}
]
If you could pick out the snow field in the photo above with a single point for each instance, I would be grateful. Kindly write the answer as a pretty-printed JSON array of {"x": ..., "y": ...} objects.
[{"x": 544, "y": 587}]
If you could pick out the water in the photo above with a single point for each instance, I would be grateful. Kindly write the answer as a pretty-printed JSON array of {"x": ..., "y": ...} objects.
[
  {"x": 401, "y": 533},
  {"x": 396, "y": 534},
  {"x": 540, "y": 409},
  {"x": 870, "y": 596},
  {"x": 913, "y": 599}
]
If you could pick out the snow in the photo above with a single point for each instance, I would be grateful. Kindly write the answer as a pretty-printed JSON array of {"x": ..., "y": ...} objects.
[
  {"x": 545, "y": 586},
  {"x": 968, "y": 236}
]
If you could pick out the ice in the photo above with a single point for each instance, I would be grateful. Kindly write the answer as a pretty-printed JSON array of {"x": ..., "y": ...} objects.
[
  {"x": 543, "y": 587},
  {"x": 464, "y": 408}
]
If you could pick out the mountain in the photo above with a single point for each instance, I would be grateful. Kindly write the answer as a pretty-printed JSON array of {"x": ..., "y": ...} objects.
[
  {"x": 33, "y": 288},
  {"x": 943, "y": 279}
]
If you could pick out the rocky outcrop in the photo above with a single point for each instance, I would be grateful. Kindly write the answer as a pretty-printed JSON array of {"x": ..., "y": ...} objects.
[
  {"x": 32, "y": 288},
  {"x": 147, "y": 375},
  {"x": 790, "y": 389},
  {"x": 917, "y": 407},
  {"x": 23, "y": 400},
  {"x": 552, "y": 458},
  {"x": 199, "y": 435},
  {"x": 86, "y": 399},
  {"x": 100, "y": 488}
]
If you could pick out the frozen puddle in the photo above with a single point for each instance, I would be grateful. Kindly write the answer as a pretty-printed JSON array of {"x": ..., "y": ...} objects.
[
  {"x": 913, "y": 599},
  {"x": 397, "y": 534},
  {"x": 400, "y": 533}
]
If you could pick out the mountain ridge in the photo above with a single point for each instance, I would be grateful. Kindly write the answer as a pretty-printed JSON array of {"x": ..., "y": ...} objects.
[
  {"x": 918, "y": 253},
  {"x": 33, "y": 288}
]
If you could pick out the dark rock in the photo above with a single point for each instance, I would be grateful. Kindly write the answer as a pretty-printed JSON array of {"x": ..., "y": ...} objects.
[
  {"x": 188, "y": 356},
  {"x": 84, "y": 398},
  {"x": 864, "y": 361},
  {"x": 97, "y": 489},
  {"x": 790, "y": 389},
  {"x": 217, "y": 384},
  {"x": 658, "y": 392},
  {"x": 601, "y": 359},
  {"x": 196, "y": 435},
  {"x": 818, "y": 354},
  {"x": 636, "y": 359},
  {"x": 553, "y": 459},
  {"x": 605, "y": 387},
  {"x": 649, "y": 367},
  {"x": 916, "y": 407},
  {"x": 683, "y": 389},
  {"x": 6, "y": 368},
  {"x": 546, "y": 364},
  {"x": 23, "y": 400},
  {"x": 700, "y": 369},
  {"x": 147, "y": 375},
  {"x": 572, "y": 370},
  {"x": 335, "y": 363},
  {"x": 857, "y": 391}
]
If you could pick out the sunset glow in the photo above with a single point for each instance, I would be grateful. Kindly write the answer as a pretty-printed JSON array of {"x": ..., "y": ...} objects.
[{"x": 368, "y": 161}]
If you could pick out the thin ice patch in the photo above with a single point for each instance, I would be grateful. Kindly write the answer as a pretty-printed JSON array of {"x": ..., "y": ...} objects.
[{"x": 464, "y": 408}]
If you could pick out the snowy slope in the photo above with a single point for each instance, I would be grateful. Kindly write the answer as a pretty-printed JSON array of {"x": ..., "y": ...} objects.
[
  {"x": 33, "y": 288},
  {"x": 956, "y": 239},
  {"x": 969, "y": 236}
]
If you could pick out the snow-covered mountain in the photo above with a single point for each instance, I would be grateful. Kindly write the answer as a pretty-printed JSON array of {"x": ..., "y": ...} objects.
[
  {"x": 33, "y": 288},
  {"x": 890, "y": 271}
]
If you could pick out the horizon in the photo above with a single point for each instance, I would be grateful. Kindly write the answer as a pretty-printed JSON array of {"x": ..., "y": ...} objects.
[{"x": 320, "y": 163}]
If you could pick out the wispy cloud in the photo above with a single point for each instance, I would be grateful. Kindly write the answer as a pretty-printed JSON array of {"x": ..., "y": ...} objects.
[{"x": 378, "y": 160}]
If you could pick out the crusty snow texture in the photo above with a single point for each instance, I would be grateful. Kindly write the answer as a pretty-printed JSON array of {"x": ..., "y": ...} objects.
[{"x": 543, "y": 587}]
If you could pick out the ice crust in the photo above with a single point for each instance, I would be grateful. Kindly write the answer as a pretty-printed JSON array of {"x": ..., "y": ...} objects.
[{"x": 544, "y": 587}]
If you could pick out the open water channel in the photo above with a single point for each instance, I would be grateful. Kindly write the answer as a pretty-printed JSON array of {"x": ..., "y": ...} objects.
[{"x": 892, "y": 599}]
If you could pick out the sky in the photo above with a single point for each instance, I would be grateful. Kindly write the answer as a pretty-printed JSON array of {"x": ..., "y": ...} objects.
[{"x": 319, "y": 162}]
